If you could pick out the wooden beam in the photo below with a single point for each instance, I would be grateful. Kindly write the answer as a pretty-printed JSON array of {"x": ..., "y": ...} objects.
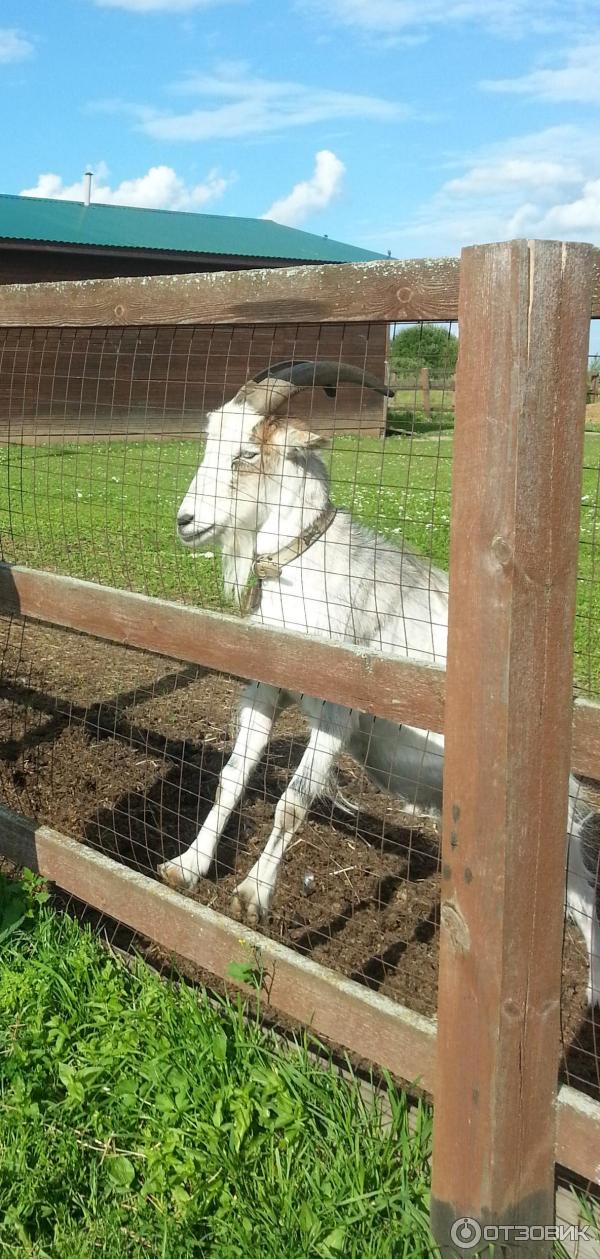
[
  {"x": 520, "y": 412},
  {"x": 585, "y": 751},
  {"x": 398, "y": 689},
  {"x": 425, "y": 288},
  {"x": 369, "y": 1025},
  {"x": 578, "y": 1133},
  {"x": 340, "y": 293}
]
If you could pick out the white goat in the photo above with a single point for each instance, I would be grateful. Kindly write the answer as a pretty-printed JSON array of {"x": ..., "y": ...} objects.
[{"x": 262, "y": 495}]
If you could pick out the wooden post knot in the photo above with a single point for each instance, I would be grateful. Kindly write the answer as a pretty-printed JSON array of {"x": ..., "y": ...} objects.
[
  {"x": 404, "y": 295},
  {"x": 457, "y": 931},
  {"x": 502, "y": 551}
]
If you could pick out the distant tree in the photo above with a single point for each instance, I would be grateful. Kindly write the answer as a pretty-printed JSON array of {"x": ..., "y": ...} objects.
[{"x": 424, "y": 345}]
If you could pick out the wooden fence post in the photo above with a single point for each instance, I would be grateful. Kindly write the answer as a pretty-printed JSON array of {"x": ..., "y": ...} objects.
[{"x": 524, "y": 311}]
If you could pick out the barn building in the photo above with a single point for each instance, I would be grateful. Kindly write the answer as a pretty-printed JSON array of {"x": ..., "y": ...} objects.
[{"x": 88, "y": 383}]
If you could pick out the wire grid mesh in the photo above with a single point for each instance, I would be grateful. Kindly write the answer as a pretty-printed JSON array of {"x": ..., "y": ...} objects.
[
  {"x": 581, "y": 1035},
  {"x": 587, "y": 627},
  {"x": 104, "y": 431},
  {"x": 103, "y": 435}
]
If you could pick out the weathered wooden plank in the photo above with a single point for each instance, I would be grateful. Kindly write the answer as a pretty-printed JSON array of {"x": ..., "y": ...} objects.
[
  {"x": 349, "y": 292},
  {"x": 578, "y": 1133},
  {"x": 415, "y": 693},
  {"x": 369, "y": 1025},
  {"x": 585, "y": 751},
  {"x": 346, "y": 1012},
  {"x": 520, "y": 399},
  {"x": 595, "y": 263},
  {"x": 398, "y": 689}
]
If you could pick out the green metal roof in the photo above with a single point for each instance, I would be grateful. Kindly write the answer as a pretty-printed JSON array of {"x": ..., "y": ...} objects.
[{"x": 124, "y": 227}]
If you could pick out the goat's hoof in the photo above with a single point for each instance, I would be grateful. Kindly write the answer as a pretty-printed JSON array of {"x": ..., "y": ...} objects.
[
  {"x": 173, "y": 874},
  {"x": 246, "y": 908}
]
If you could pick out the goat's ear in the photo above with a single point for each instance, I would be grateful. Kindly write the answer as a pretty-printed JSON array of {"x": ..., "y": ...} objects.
[
  {"x": 288, "y": 438},
  {"x": 301, "y": 439}
]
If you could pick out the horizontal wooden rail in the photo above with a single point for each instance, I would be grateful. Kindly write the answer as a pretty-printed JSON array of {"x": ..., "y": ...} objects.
[
  {"x": 362, "y": 1021},
  {"x": 578, "y": 1133},
  {"x": 585, "y": 748},
  {"x": 394, "y": 688},
  {"x": 425, "y": 288},
  {"x": 420, "y": 289}
]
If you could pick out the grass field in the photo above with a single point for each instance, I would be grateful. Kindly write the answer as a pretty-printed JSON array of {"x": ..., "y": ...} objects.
[
  {"x": 440, "y": 399},
  {"x": 137, "y": 1119},
  {"x": 106, "y": 512}
]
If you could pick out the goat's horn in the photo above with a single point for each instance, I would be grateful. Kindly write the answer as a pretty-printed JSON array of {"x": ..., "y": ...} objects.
[
  {"x": 329, "y": 373},
  {"x": 269, "y": 390}
]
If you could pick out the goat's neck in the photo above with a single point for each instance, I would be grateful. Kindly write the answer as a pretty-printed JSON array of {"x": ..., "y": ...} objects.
[
  {"x": 296, "y": 504},
  {"x": 292, "y": 504}
]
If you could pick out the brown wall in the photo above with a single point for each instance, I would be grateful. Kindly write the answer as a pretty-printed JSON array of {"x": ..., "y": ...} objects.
[
  {"x": 61, "y": 384},
  {"x": 42, "y": 263}
]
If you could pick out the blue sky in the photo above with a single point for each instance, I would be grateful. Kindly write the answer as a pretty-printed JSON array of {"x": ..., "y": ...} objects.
[{"x": 411, "y": 125}]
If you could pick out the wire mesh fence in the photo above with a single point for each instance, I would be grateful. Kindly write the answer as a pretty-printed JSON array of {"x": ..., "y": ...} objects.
[
  {"x": 105, "y": 431},
  {"x": 587, "y": 628},
  {"x": 104, "y": 434},
  {"x": 125, "y": 751}
]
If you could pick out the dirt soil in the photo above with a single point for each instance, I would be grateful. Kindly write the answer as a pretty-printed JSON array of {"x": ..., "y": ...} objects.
[{"x": 122, "y": 750}]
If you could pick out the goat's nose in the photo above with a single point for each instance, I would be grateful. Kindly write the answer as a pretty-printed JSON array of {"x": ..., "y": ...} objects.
[{"x": 184, "y": 518}]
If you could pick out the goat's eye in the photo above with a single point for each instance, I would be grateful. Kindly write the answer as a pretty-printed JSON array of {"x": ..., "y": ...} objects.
[{"x": 245, "y": 456}]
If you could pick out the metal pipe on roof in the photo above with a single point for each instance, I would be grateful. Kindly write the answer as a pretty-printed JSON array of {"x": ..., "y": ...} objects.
[{"x": 87, "y": 187}]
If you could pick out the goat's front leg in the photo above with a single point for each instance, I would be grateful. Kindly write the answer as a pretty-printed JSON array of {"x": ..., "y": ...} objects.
[
  {"x": 259, "y": 708},
  {"x": 253, "y": 897}
]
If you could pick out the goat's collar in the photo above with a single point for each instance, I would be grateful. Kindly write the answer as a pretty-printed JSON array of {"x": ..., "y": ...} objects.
[{"x": 270, "y": 566}]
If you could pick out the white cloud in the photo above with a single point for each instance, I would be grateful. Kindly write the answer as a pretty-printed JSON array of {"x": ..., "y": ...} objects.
[
  {"x": 312, "y": 194},
  {"x": 395, "y": 17},
  {"x": 544, "y": 184},
  {"x": 575, "y": 218},
  {"x": 504, "y": 175},
  {"x": 13, "y": 46},
  {"x": 578, "y": 79},
  {"x": 238, "y": 104},
  {"x": 159, "y": 189},
  {"x": 159, "y": 6}
]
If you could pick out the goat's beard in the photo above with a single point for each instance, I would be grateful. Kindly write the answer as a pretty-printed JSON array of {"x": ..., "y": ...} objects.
[{"x": 237, "y": 554}]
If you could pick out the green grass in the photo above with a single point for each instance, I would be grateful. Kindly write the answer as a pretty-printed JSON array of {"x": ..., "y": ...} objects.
[
  {"x": 106, "y": 512},
  {"x": 411, "y": 423},
  {"x": 440, "y": 399},
  {"x": 136, "y": 1119}
]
